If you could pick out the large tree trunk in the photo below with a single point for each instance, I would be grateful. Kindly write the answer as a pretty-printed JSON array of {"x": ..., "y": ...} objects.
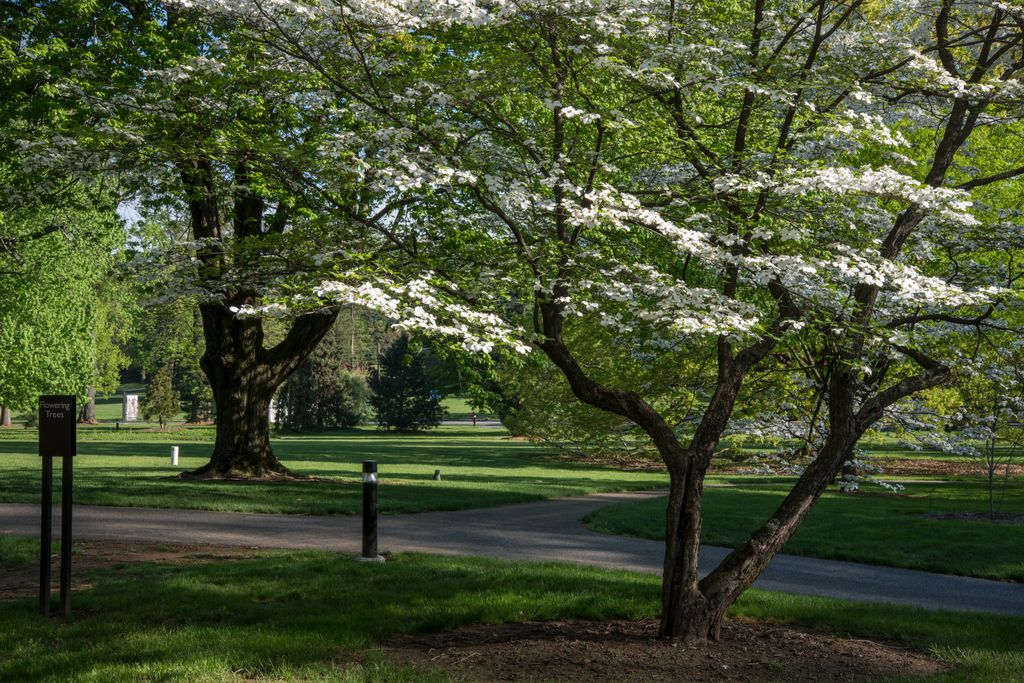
[
  {"x": 87, "y": 415},
  {"x": 5, "y": 416},
  {"x": 195, "y": 412},
  {"x": 684, "y": 614},
  {"x": 244, "y": 376}
]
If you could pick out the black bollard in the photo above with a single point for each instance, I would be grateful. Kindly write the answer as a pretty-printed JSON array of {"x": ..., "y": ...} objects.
[{"x": 370, "y": 512}]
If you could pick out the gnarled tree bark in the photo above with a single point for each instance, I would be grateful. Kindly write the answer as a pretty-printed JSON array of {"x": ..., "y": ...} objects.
[
  {"x": 244, "y": 376},
  {"x": 243, "y": 372}
]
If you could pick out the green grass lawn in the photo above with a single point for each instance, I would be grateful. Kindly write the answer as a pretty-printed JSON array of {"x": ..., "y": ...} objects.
[
  {"x": 459, "y": 408},
  {"x": 872, "y": 527},
  {"x": 15, "y": 550},
  {"x": 478, "y": 469},
  {"x": 297, "y": 616}
]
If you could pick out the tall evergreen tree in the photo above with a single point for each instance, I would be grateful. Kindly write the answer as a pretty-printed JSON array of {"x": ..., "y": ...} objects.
[
  {"x": 403, "y": 396},
  {"x": 161, "y": 400},
  {"x": 325, "y": 391}
]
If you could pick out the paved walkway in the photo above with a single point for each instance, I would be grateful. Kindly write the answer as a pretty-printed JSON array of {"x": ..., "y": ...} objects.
[{"x": 548, "y": 530}]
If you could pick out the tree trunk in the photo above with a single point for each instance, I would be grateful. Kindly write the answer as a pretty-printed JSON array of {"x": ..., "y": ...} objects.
[
  {"x": 5, "y": 416},
  {"x": 244, "y": 376},
  {"x": 685, "y": 613},
  {"x": 242, "y": 395},
  {"x": 87, "y": 415},
  {"x": 195, "y": 411}
]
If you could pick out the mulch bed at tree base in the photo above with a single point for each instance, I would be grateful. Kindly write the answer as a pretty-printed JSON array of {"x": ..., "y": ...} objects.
[
  {"x": 629, "y": 651},
  {"x": 911, "y": 466},
  {"x": 999, "y": 518}
]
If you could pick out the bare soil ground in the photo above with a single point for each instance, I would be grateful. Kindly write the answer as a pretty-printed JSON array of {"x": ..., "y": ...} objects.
[
  {"x": 629, "y": 651},
  {"x": 912, "y": 466},
  {"x": 998, "y": 518},
  {"x": 22, "y": 581}
]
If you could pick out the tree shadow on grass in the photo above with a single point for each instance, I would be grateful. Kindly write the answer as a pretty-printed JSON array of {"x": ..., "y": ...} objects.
[
  {"x": 292, "y": 610},
  {"x": 111, "y": 486}
]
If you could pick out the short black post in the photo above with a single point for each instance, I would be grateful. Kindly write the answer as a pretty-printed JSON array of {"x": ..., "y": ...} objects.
[
  {"x": 370, "y": 512},
  {"x": 46, "y": 537},
  {"x": 66, "y": 505}
]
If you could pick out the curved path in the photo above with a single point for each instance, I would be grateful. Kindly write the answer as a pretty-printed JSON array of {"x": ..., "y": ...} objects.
[{"x": 547, "y": 530}]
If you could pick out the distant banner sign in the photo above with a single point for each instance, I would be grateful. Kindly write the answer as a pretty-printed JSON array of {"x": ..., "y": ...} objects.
[
  {"x": 130, "y": 408},
  {"x": 57, "y": 415}
]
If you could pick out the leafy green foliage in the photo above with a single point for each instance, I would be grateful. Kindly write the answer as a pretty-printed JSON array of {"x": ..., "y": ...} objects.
[
  {"x": 329, "y": 389},
  {"x": 59, "y": 232},
  {"x": 317, "y": 396},
  {"x": 52, "y": 325}
]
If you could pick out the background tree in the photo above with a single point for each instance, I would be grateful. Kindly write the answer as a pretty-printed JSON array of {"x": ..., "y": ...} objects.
[
  {"x": 161, "y": 400},
  {"x": 200, "y": 114},
  {"x": 59, "y": 233},
  {"x": 196, "y": 117},
  {"x": 112, "y": 328},
  {"x": 979, "y": 416},
  {"x": 324, "y": 392},
  {"x": 404, "y": 398}
]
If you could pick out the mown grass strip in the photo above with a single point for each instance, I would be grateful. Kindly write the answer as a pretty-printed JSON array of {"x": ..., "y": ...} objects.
[
  {"x": 479, "y": 469},
  {"x": 870, "y": 527}
]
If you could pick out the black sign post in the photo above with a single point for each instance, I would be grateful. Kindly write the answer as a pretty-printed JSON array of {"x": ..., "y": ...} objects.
[
  {"x": 57, "y": 416},
  {"x": 46, "y": 537}
]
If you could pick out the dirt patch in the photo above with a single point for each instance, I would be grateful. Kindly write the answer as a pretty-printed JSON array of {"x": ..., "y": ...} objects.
[
  {"x": 272, "y": 478},
  {"x": 22, "y": 581},
  {"x": 915, "y": 466},
  {"x": 998, "y": 518},
  {"x": 629, "y": 651}
]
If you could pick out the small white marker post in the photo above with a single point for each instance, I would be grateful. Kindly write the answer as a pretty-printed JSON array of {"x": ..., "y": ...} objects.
[{"x": 174, "y": 455}]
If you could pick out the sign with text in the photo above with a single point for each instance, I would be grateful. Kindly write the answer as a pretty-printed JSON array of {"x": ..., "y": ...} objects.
[
  {"x": 130, "y": 408},
  {"x": 57, "y": 415}
]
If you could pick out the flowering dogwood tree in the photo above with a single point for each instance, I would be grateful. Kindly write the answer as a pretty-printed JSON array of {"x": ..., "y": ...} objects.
[
  {"x": 781, "y": 187},
  {"x": 800, "y": 190}
]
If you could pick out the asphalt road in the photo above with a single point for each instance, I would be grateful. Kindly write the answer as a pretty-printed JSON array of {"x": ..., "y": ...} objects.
[{"x": 548, "y": 530}]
